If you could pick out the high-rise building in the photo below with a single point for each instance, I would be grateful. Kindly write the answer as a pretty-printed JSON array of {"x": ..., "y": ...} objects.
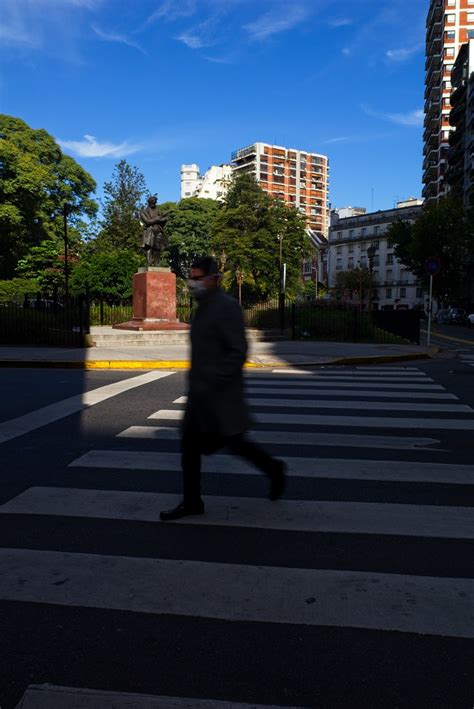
[
  {"x": 447, "y": 28},
  {"x": 212, "y": 185},
  {"x": 297, "y": 177},
  {"x": 460, "y": 174}
]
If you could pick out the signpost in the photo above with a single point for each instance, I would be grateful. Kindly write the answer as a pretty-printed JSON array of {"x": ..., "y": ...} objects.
[{"x": 433, "y": 267}]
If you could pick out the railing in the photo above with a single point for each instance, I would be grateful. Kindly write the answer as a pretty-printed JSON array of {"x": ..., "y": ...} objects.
[{"x": 43, "y": 320}]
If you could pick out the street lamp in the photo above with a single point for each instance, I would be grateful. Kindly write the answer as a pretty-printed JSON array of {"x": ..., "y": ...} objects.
[
  {"x": 240, "y": 280},
  {"x": 66, "y": 274},
  {"x": 371, "y": 251}
]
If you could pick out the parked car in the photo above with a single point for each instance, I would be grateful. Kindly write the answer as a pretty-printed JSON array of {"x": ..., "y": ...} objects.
[
  {"x": 457, "y": 315},
  {"x": 470, "y": 320},
  {"x": 442, "y": 316}
]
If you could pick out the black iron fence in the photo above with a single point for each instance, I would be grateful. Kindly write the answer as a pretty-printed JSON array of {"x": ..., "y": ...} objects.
[{"x": 42, "y": 320}]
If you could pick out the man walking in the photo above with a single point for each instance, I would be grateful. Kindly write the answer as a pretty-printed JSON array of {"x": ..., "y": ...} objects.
[{"x": 216, "y": 414}]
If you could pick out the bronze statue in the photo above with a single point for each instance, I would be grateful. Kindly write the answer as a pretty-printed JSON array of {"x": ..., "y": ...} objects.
[{"x": 153, "y": 240}]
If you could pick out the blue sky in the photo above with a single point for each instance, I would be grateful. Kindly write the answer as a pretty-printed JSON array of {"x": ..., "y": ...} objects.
[{"x": 165, "y": 82}]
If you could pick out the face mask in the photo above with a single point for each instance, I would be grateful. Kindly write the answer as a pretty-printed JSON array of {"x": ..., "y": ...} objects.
[{"x": 196, "y": 288}]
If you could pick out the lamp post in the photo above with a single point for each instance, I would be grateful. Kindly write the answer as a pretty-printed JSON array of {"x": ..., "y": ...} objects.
[
  {"x": 65, "y": 236},
  {"x": 240, "y": 280},
  {"x": 371, "y": 251}
]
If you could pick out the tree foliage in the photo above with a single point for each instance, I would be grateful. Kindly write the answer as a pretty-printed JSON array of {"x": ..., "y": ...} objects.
[
  {"x": 36, "y": 180},
  {"x": 246, "y": 236},
  {"x": 446, "y": 231},
  {"x": 124, "y": 194},
  {"x": 357, "y": 280},
  {"x": 188, "y": 230},
  {"x": 106, "y": 275},
  {"x": 44, "y": 264}
]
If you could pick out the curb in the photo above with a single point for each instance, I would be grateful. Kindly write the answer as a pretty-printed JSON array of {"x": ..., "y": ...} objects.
[{"x": 185, "y": 364}]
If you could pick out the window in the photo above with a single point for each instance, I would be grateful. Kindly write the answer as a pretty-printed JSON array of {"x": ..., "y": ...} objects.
[
  {"x": 449, "y": 51},
  {"x": 389, "y": 274},
  {"x": 339, "y": 264},
  {"x": 375, "y": 244},
  {"x": 389, "y": 259},
  {"x": 363, "y": 261},
  {"x": 339, "y": 249},
  {"x": 403, "y": 292},
  {"x": 350, "y": 263},
  {"x": 339, "y": 235},
  {"x": 363, "y": 247},
  {"x": 388, "y": 293},
  {"x": 470, "y": 16},
  {"x": 351, "y": 233},
  {"x": 351, "y": 248},
  {"x": 376, "y": 230},
  {"x": 363, "y": 231},
  {"x": 450, "y": 35},
  {"x": 450, "y": 19},
  {"x": 419, "y": 291}
]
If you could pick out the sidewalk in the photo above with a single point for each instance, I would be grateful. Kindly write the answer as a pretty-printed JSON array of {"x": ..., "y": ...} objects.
[{"x": 261, "y": 355}]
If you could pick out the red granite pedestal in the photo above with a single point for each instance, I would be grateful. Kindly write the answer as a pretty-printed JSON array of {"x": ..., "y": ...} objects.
[{"x": 154, "y": 301}]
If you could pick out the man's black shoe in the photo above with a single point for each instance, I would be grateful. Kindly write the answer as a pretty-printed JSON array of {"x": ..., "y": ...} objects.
[
  {"x": 277, "y": 481},
  {"x": 182, "y": 510}
]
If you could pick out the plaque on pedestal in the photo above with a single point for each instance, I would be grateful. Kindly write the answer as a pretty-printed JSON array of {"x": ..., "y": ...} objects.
[{"x": 154, "y": 301}]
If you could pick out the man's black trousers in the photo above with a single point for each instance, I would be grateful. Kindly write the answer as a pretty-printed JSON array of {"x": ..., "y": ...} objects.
[{"x": 194, "y": 444}]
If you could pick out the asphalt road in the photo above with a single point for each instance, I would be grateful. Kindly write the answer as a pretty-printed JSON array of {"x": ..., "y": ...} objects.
[{"x": 356, "y": 590}]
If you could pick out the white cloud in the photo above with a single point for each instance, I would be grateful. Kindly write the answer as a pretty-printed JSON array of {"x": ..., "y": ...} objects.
[
  {"x": 193, "y": 40},
  {"x": 340, "y": 139},
  {"x": 340, "y": 22},
  {"x": 402, "y": 54},
  {"x": 91, "y": 148},
  {"x": 281, "y": 19},
  {"x": 171, "y": 10},
  {"x": 115, "y": 37},
  {"x": 410, "y": 118}
]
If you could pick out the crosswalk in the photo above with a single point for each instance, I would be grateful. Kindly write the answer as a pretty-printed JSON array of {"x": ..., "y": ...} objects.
[{"x": 356, "y": 428}]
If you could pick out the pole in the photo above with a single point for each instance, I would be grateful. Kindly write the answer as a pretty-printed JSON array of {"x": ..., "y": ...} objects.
[
  {"x": 66, "y": 274},
  {"x": 430, "y": 310}
]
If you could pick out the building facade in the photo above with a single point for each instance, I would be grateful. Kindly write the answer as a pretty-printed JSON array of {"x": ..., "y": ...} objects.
[
  {"x": 394, "y": 287},
  {"x": 447, "y": 29},
  {"x": 212, "y": 185},
  {"x": 297, "y": 177},
  {"x": 460, "y": 174}
]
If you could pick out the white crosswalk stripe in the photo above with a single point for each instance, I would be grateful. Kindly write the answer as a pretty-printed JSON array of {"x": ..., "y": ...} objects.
[
  {"x": 298, "y": 437},
  {"x": 252, "y": 592}
]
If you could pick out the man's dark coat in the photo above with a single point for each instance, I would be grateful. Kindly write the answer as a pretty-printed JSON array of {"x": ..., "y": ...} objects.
[{"x": 216, "y": 402}]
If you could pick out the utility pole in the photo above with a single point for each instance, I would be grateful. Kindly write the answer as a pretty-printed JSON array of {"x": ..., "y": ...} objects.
[{"x": 66, "y": 272}]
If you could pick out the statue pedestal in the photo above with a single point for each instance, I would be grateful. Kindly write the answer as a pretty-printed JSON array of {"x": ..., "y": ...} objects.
[{"x": 154, "y": 301}]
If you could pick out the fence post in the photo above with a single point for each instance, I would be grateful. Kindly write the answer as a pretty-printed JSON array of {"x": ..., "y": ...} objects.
[
  {"x": 87, "y": 321},
  {"x": 281, "y": 307},
  {"x": 356, "y": 323},
  {"x": 101, "y": 312},
  {"x": 293, "y": 321}
]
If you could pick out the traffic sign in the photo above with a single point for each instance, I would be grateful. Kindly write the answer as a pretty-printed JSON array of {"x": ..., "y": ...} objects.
[{"x": 433, "y": 265}]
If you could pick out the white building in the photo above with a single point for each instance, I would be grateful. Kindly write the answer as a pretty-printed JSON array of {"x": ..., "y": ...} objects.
[
  {"x": 212, "y": 185},
  {"x": 350, "y": 237}
]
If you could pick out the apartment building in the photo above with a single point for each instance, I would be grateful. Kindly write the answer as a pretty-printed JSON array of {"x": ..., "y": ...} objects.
[
  {"x": 349, "y": 239},
  {"x": 212, "y": 185},
  {"x": 447, "y": 29},
  {"x": 297, "y": 177},
  {"x": 460, "y": 174}
]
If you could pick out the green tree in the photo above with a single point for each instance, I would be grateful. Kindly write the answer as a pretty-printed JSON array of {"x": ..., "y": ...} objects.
[
  {"x": 36, "y": 180},
  {"x": 44, "y": 264},
  {"x": 446, "y": 231},
  {"x": 124, "y": 194},
  {"x": 357, "y": 280},
  {"x": 188, "y": 231},
  {"x": 249, "y": 232},
  {"x": 106, "y": 275}
]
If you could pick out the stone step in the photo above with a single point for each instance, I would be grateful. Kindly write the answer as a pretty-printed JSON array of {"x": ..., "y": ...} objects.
[{"x": 108, "y": 337}]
